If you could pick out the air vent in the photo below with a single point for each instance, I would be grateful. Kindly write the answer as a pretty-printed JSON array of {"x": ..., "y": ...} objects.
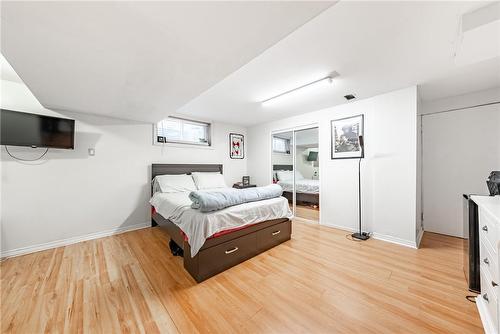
[{"x": 349, "y": 97}]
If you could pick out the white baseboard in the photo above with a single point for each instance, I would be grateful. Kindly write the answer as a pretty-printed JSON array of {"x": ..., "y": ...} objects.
[
  {"x": 73, "y": 240},
  {"x": 394, "y": 240},
  {"x": 339, "y": 227},
  {"x": 377, "y": 236},
  {"x": 419, "y": 237}
]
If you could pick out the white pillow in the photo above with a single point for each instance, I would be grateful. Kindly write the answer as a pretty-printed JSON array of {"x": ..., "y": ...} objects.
[
  {"x": 285, "y": 175},
  {"x": 208, "y": 180},
  {"x": 173, "y": 183}
]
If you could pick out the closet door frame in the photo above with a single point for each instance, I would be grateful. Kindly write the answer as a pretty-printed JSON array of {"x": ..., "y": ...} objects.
[{"x": 294, "y": 131}]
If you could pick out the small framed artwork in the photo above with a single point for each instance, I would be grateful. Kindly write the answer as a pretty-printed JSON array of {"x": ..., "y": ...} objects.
[
  {"x": 236, "y": 146},
  {"x": 345, "y": 137}
]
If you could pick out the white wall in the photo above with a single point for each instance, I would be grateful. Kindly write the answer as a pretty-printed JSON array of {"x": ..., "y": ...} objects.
[
  {"x": 389, "y": 169},
  {"x": 282, "y": 159},
  {"x": 460, "y": 148},
  {"x": 70, "y": 194}
]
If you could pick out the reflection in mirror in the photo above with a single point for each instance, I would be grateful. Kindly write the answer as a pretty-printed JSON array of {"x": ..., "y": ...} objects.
[
  {"x": 282, "y": 163},
  {"x": 307, "y": 174}
]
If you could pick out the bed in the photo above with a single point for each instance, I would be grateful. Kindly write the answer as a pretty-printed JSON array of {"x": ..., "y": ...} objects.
[
  {"x": 307, "y": 190},
  {"x": 232, "y": 242}
]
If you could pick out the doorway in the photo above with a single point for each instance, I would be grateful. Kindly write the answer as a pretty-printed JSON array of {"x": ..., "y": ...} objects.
[
  {"x": 459, "y": 150},
  {"x": 295, "y": 167}
]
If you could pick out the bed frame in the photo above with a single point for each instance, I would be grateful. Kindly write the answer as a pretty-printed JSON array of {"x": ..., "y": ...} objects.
[
  {"x": 301, "y": 198},
  {"x": 225, "y": 251}
]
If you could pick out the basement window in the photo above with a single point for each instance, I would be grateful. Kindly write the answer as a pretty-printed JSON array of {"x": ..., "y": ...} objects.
[
  {"x": 182, "y": 131},
  {"x": 281, "y": 145}
]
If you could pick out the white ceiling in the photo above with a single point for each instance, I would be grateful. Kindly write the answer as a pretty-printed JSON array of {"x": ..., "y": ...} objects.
[
  {"x": 138, "y": 60},
  {"x": 218, "y": 60},
  {"x": 376, "y": 47}
]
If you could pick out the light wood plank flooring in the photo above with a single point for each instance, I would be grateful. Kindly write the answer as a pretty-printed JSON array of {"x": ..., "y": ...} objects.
[
  {"x": 307, "y": 212},
  {"x": 318, "y": 282}
]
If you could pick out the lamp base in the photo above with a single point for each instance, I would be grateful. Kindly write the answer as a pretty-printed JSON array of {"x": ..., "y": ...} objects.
[{"x": 361, "y": 236}]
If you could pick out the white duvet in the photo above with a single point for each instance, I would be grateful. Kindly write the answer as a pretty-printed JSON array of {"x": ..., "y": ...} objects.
[
  {"x": 199, "y": 226},
  {"x": 306, "y": 186}
]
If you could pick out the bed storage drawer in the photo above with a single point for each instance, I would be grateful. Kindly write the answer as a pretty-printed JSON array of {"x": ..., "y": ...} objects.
[
  {"x": 273, "y": 235},
  {"x": 218, "y": 258},
  {"x": 226, "y": 251}
]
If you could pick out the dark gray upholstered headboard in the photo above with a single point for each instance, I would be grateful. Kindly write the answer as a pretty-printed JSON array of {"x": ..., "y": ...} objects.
[
  {"x": 162, "y": 169},
  {"x": 282, "y": 167}
]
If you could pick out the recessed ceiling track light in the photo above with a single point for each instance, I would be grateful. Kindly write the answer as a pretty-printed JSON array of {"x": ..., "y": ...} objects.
[{"x": 325, "y": 80}]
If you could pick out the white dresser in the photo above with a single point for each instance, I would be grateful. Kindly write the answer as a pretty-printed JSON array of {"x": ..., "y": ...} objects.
[{"x": 489, "y": 236}]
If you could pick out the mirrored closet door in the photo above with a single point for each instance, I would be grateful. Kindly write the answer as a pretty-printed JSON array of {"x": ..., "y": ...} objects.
[
  {"x": 282, "y": 163},
  {"x": 306, "y": 170},
  {"x": 295, "y": 167}
]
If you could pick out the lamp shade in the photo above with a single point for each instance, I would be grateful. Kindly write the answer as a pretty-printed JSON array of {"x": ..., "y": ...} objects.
[{"x": 313, "y": 156}]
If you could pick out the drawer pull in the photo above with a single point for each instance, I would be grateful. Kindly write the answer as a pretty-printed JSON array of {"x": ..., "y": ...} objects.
[
  {"x": 229, "y": 251},
  {"x": 486, "y": 260},
  {"x": 485, "y": 228},
  {"x": 485, "y": 297},
  {"x": 494, "y": 283},
  {"x": 276, "y": 233}
]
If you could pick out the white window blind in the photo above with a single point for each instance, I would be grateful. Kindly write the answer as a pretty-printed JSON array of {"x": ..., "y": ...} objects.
[
  {"x": 178, "y": 130},
  {"x": 281, "y": 145}
]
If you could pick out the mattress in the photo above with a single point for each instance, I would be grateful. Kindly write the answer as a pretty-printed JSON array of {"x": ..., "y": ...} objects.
[
  {"x": 199, "y": 226},
  {"x": 305, "y": 186}
]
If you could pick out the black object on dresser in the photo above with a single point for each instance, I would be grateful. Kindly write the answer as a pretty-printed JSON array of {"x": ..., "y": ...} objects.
[
  {"x": 241, "y": 186},
  {"x": 471, "y": 245},
  {"x": 493, "y": 183}
]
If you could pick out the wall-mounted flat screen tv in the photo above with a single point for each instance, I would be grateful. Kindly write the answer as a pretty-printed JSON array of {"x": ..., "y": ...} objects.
[{"x": 24, "y": 129}]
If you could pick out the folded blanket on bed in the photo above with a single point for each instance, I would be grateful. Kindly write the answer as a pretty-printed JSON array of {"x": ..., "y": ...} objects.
[{"x": 217, "y": 199}]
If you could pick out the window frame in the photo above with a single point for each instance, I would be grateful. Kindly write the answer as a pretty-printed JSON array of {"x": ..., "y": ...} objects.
[
  {"x": 285, "y": 140},
  {"x": 182, "y": 121}
]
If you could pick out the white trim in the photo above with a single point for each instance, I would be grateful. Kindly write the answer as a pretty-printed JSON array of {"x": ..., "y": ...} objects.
[
  {"x": 394, "y": 240},
  {"x": 293, "y": 150},
  {"x": 295, "y": 128},
  {"x": 184, "y": 145},
  {"x": 419, "y": 237},
  {"x": 375, "y": 235},
  {"x": 339, "y": 227},
  {"x": 72, "y": 240},
  {"x": 488, "y": 325}
]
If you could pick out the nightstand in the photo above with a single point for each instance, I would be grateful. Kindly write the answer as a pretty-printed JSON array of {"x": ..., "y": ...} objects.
[{"x": 241, "y": 186}]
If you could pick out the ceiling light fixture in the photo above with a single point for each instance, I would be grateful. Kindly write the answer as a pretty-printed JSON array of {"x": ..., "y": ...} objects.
[{"x": 325, "y": 80}]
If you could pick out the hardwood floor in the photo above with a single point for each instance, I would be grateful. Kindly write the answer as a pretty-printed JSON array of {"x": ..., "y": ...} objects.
[
  {"x": 317, "y": 282},
  {"x": 306, "y": 212}
]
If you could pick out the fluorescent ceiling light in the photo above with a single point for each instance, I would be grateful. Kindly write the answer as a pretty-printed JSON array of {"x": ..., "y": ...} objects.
[{"x": 301, "y": 89}]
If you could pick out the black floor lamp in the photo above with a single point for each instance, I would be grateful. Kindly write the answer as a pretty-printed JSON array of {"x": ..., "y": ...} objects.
[{"x": 360, "y": 235}]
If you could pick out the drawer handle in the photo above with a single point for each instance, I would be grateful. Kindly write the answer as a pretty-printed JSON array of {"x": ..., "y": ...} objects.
[
  {"x": 485, "y": 297},
  {"x": 229, "y": 251},
  {"x": 485, "y": 228},
  {"x": 494, "y": 283},
  {"x": 486, "y": 260},
  {"x": 276, "y": 233}
]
